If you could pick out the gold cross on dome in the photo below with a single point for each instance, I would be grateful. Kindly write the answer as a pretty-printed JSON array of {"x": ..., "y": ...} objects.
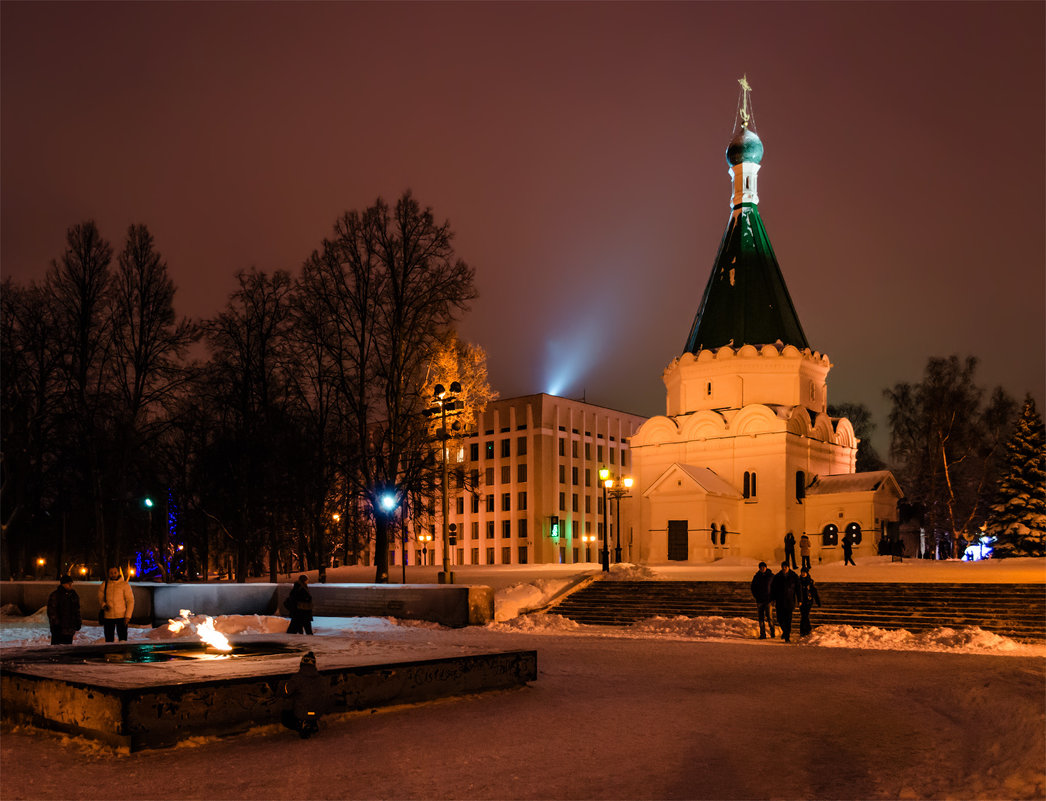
[{"x": 745, "y": 89}]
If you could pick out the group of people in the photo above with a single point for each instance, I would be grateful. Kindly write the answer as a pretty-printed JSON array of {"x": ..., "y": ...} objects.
[
  {"x": 115, "y": 606},
  {"x": 777, "y": 595}
]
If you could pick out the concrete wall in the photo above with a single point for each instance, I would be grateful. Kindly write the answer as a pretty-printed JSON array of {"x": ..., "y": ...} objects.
[{"x": 449, "y": 605}]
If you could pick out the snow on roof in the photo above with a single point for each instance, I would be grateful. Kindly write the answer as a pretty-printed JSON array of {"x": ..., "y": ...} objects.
[
  {"x": 710, "y": 481},
  {"x": 850, "y": 482}
]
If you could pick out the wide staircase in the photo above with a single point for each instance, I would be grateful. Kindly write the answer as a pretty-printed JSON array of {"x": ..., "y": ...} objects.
[{"x": 1013, "y": 610}]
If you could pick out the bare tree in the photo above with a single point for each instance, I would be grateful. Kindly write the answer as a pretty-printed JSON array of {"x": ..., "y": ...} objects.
[{"x": 391, "y": 286}]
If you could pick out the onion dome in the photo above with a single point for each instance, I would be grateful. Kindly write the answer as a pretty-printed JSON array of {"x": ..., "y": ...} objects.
[{"x": 746, "y": 146}]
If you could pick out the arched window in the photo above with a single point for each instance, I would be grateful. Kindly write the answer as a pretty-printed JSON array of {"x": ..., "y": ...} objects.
[
  {"x": 722, "y": 535},
  {"x": 854, "y": 532},
  {"x": 749, "y": 490},
  {"x": 800, "y": 485},
  {"x": 830, "y": 535},
  {"x": 709, "y": 388},
  {"x": 713, "y": 533}
]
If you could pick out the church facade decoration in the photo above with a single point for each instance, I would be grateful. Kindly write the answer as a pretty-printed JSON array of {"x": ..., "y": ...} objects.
[{"x": 746, "y": 451}]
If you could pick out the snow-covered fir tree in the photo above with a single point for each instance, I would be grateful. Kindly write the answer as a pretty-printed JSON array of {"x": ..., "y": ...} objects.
[{"x": 1018, "y": 516}]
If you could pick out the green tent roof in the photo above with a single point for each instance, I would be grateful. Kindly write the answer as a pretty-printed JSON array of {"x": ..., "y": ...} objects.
[{"x": 746, "y": 301}]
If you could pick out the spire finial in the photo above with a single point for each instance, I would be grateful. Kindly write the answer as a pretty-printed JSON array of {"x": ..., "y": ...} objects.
[{"x": 745, "y": 102}]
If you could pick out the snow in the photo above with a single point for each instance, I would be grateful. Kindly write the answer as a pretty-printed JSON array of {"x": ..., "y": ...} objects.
[{"x": 665, "y": 708}]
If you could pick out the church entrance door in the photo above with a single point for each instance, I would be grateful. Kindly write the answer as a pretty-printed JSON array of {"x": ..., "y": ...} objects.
[{"x": 678, "y": 546}]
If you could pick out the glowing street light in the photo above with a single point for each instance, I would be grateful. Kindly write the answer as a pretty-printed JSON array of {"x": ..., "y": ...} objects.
[
  {"x": 443, "y": 400},
  {"x": 604, "y": 479},
  {"x": 618, "y": 490}
]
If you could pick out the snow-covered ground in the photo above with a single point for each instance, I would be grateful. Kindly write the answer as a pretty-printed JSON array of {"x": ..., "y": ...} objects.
[{"x": 662, "y": 709}]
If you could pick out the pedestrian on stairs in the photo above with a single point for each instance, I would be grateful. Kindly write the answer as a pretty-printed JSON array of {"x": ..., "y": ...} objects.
[
  {"x": 804, "y": 551},
  {"x": 761, "y": 593},
  {"x": 784, "y": 589},
  {"x": 807, "y": 598}
]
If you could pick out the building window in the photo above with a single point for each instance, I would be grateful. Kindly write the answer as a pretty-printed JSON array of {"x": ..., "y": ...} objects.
[
  {"x": 490, "y": 503},
  {"x": 521, "y": 473},
  {"x": 830, "y": 535},
  {"x": 624, "y": 454},
  {"x": 506, "y": 474},
  {"x": 588, "y": 477},
  {"x": 460, "y": 504},
  {"x": 573, "y": 446},
  {"x": 573, "y": 475},
  {"x": 489, "y": 476},
  {"x": 714, "y": 531},
  {"x": 490, "y": 450},
  {"x": 749, "y": 490},
  {"x": 475, "y": 504},
  {"x": 474, "y": 451},
  {"x": 475, "y": 530},
  {"x": 521, "y": 501},
  {"x": 522, "y": 554},
  {"x": 562, "y": 474},
  {"x": 853, "y": 531},
  {"x": 523, "y": 529},
  {"x": 506, "y": 448},
  {"x": 506, "y": 555},
  {"x": 562, "y": 501},
  {"x": 562, "y": 554},
  {"x": 800, "y": 485},
  {"x": 599, "y": 453},
  {"x": 506, "y": 501},
  {"x": 588, "y": 450},
  {"x": 599, "y": 504},
  {"x": 474, "y": 477},
  {"x": 573, "y": 502},
  {"x": 490, "y": 556},
  {"x": 506, "y": 529},
  {"x": 613, "y": 455},
  {"x": 562, "y": 447},
  {"x": 490, "y": 529},
  {"x": 521, "y": 446},
  {"x": 708, "y": 390},
  {"x": 588, "y": 504}
]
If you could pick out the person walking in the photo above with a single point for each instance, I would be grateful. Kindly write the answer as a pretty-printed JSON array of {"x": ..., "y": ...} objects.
[
  {"x": 116, "y": 601},
  {"x": 807, "y": 598},
  {"x": 790, "y": 549},
  {"x": 784, "y": 590},
  {"x": 804, "y": 551},
  {"x": 299, "y": 604},
  {"x": 306, "y": 690},
  {"x": 761, "y": 592},
  {"x": 848, "y": 550},
  {"x": 63, "y": 612}
]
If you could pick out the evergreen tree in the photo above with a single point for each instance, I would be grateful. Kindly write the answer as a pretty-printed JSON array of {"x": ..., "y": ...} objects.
[{"x": 1018, "y": 516}]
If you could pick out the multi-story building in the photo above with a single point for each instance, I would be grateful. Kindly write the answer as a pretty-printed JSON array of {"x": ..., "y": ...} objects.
[{"x": 524, "y": 487}]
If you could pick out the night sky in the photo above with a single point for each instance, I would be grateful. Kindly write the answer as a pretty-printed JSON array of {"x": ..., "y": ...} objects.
[{"x": 577, "y": 151}]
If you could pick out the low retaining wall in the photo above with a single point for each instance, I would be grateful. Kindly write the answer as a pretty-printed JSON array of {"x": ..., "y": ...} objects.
[{"x": 447, "y": 604}]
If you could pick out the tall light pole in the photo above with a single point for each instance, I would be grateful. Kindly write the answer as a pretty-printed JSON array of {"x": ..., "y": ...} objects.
[
  {"x": 604, "y": 476},
  {"x": 618, "y": 490},
  {"x": 445, "y": 399}
]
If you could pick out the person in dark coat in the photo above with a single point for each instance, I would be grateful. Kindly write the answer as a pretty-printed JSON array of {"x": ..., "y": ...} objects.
[
  {"x": 848, "y": 550},
  {"x": 784, "y": 590},
  {"x": 761, "y": 593},
  {"x": 63, "y": 612},
  {"x": 299, "y": 604},
  {"x": 807, "y": 598},
  {"x": 308, "y": 695},
  {"x": 790, "y": 549}
]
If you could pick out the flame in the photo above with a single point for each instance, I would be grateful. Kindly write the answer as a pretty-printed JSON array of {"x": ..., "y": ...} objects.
[{"x": 204, "y": 629}]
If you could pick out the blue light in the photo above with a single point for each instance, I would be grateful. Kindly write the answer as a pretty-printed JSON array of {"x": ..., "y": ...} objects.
[{"x": 388, "y": 501}]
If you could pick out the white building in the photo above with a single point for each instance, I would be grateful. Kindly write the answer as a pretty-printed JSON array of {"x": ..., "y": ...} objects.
[
  {"x": 531, "y": 492},
  {"x": 746, "y": 450}
]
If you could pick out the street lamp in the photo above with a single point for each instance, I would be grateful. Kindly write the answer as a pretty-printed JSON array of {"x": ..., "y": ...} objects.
[
  {"x": 425, "y": 538},
  {"x": 443, "y": 400},
  {"x": 618, "y": 490},
  {"x": 588, "y": 538},
  {"x": 604, "y": 477}
]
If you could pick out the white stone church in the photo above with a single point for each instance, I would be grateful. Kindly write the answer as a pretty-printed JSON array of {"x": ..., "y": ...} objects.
[{"x": 746, "y": 451}]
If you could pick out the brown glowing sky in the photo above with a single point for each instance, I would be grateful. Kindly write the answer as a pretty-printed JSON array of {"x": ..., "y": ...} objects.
[{"x": 577, "y": 150}]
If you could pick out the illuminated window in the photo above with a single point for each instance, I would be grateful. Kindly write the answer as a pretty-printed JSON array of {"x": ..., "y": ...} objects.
[
  {"x": 830, "y": 535},
  {"x": 854, "y": 532}
]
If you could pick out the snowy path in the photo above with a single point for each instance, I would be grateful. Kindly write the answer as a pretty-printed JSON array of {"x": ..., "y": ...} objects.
[{"x": 619, "y": 718}]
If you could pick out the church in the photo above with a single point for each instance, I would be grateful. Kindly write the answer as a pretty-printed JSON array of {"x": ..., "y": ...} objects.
[{"x": 746, "y": 451}]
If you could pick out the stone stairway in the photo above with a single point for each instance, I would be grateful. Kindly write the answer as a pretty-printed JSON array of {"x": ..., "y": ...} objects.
[{"x": 1013, "y": 610}]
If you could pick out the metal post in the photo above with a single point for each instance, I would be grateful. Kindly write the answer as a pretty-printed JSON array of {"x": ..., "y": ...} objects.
[
  {"x": 446, "y": 577},
  {"x": 606, "y": 532},
  {"x": 617, "y": 519}
]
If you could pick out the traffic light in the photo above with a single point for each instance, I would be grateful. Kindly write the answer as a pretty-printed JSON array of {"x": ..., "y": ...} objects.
[
  {"x": 453, "y": 533},
  {"x": 554, "y": 528}
]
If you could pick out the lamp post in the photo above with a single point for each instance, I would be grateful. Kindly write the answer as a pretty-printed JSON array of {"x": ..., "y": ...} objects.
[
  {"x": 618, "y": 490},
  {"x": 388, "y": 502},
  {"x": 587, "y": 538},
  {"x": 445, "y": 399},
  {"x": 604, "y": 477},
  {"x": 425, "y": 538}
]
